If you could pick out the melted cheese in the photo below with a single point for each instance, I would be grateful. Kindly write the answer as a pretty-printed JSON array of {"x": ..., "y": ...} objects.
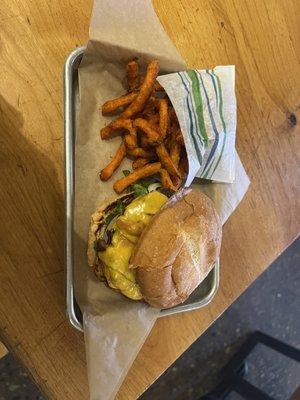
[{"x": 128, "y": 228}]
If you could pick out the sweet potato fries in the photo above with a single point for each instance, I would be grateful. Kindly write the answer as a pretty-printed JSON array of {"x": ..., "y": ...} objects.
[{"x": 150, "y": 131}]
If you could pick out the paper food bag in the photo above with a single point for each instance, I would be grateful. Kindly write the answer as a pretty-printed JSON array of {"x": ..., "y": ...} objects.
[{"x": 205, "y": 103}]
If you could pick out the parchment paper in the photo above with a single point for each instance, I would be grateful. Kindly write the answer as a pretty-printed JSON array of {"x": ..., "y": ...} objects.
[{"x": 115, "y": 328}]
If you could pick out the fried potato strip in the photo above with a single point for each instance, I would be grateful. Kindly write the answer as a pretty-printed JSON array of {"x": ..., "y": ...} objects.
[
  {"x": 166, "y": 180},
  {"x": 116, "y": 125},
  {"x": 167, "y": 161},
  {"x": 137, "y": 174},
  {"x": 111, "y": 106},
  {"x": 146, "y": 88},
  {"x": 132, "y": 75},
  {"x": 152, "y": 135},
  {"x": 163, "y": 117},
  {"x": 107, "y": 172},
  {"x": 139, "y": 162}
]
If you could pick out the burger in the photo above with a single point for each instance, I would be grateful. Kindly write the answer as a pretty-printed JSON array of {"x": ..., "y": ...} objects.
[{"x": 156, "y": 246}]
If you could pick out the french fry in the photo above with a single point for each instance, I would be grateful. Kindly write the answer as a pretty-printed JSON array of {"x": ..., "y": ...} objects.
[
  {"x": 175, "y": 151},
  {"x": 173, "y": 118},
  {"x": 167, "y": 142},
  {"x": 163, "y": 117},
  {"x": 140, "y": 162},
  {"x": 150, "y": 129},
  {"x": 176, "y": 182},
  {"x": 130, "y": 138},
  {"x": 139, "y": 152},
  {"x": 166, "y": 160},
  {"x": 175, "y": 148},
  {"x": 107, "y": 172},
  {"x": 179, "y": 137},
  {"x": 111, "y": 106},
  {"x": 144, "y": 143},
  {"x": 150, "y": 107},
  {"x": 132, "y": 75},
  {"x": 166, "y": 179},
  {"x": 152, "y": 135},
  {"x": 158, "y": 87},
  {"x": 146, "y": 88},
  {"x": 118, "y": 124},
  {"x": 154, "y": 121},
  {"x": 183, "y": 165},
  {"x": 137, "y": 174}
]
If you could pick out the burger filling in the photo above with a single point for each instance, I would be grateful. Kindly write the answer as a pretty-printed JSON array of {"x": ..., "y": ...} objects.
[{"x": 118, "y": 235}]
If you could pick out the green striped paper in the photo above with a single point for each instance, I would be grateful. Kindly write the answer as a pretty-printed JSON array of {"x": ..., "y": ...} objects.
[{"x": 205, "y": 103}]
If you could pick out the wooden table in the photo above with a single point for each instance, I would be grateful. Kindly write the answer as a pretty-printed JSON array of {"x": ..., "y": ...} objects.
[{"x": 262, "y": 38}]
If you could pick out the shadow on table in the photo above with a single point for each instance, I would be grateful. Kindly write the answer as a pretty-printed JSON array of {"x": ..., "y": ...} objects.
[
  {"x": 32, "y": 212},
  {"x": 31, "y": 233}
]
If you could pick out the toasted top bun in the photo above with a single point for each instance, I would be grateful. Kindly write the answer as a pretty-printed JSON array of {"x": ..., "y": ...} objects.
[{"x": 177, "y": 249}]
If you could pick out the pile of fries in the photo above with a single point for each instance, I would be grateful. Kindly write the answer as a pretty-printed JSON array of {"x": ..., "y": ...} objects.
[{"x": 151, "y": 135}]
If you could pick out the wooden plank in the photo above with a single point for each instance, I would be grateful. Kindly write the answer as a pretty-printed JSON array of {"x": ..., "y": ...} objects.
[
  {"x": 261, "y": 37},
  {"x": 3, "y": 350}
]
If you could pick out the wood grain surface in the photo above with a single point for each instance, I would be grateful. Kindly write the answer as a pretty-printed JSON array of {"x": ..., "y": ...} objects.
[
  {"x": 3, "y": 350},
  {"x": 262, "y": 38}
]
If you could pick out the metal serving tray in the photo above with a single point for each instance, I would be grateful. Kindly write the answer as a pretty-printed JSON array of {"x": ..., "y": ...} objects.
[{"x": 199, "y": 298}]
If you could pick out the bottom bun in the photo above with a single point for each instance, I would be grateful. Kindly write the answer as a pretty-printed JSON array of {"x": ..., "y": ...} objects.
[{"x": 177, "y": 249}]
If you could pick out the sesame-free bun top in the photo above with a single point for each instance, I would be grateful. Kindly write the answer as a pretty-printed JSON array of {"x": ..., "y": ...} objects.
[{"x": 177, "y": 249}]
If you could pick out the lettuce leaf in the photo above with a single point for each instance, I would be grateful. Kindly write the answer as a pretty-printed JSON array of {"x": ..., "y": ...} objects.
[{"x": 117, "y": 211}]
